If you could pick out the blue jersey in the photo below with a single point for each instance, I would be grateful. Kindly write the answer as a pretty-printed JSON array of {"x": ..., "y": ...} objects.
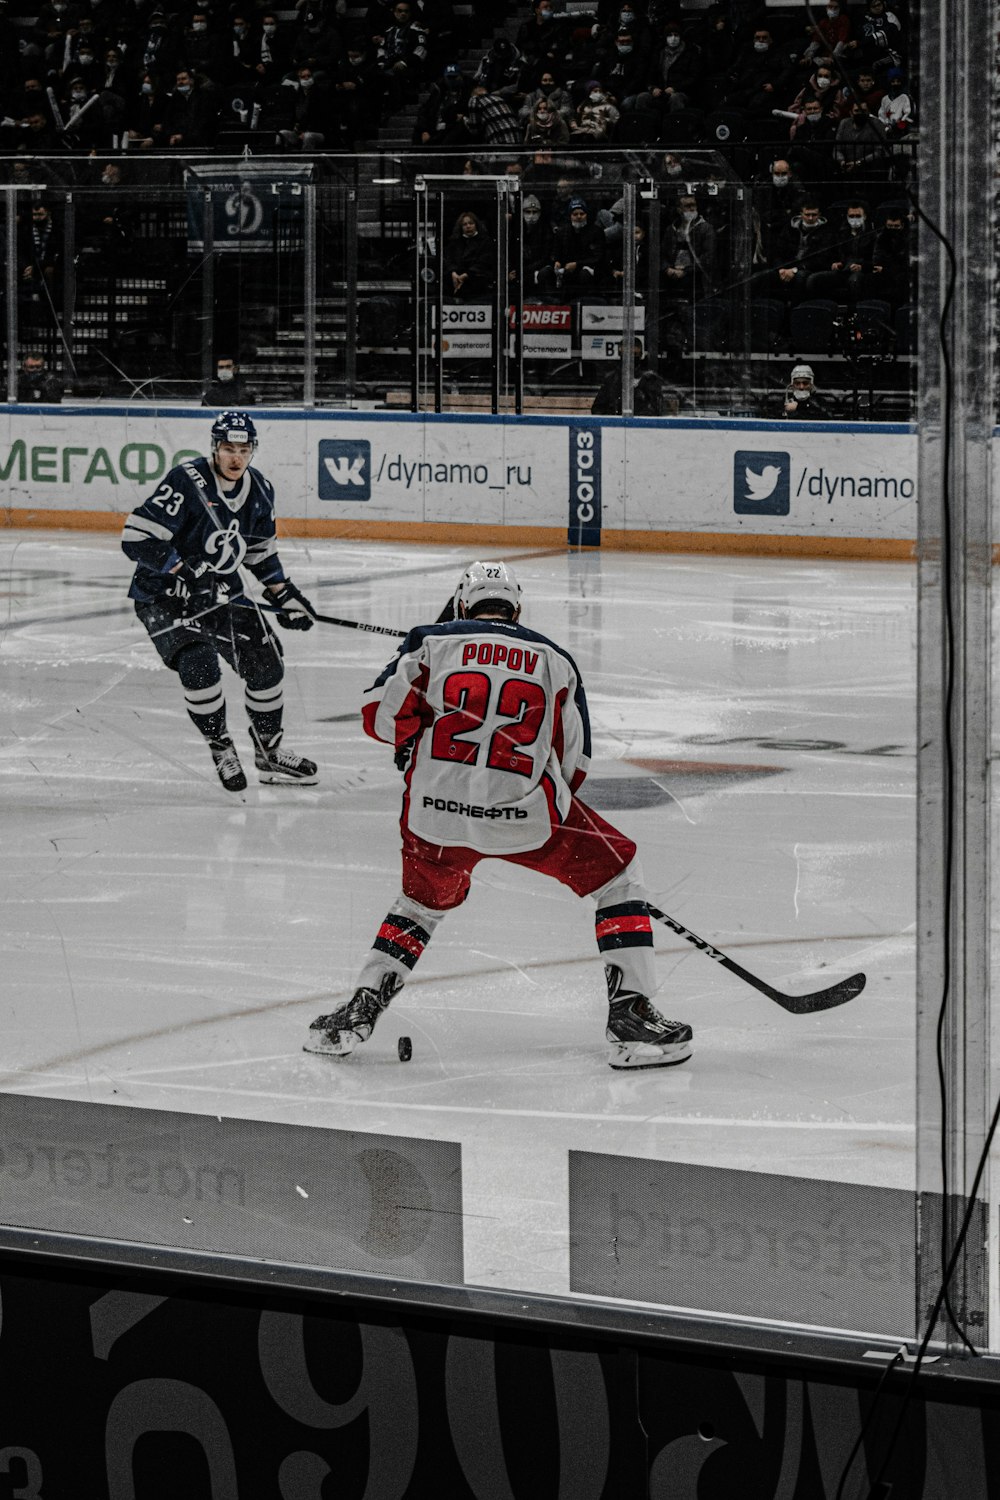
[{"x": 192, "y": 517}]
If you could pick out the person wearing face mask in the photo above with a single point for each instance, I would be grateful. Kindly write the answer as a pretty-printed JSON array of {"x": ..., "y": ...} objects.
[
  {"x": 761, "y": 78},
  {"x": 358, "y": 94},
  {"x": 597, "y": 116},
  {"x": 547, "y": 88},
  {"x": 201, "y": 50},
  {"x": 621, "y": 70},
  {"x": 860, "y": 148},
  {"x": 775, "y": 198},
  {"x": 879, "y": 40},
  {"x": 852, "y": 247},
  {"x": 675, "y": 77},
  {"x": 896, "y": 111},
  {"x": 651, "y": 396},
  {"x": 228, "y": 389},
  {"x": 805, "y": 247},
  {"x": 828, "y": 31},
  {"x": 546, "y": 127},
  {"x": 191, "y": 117},
  {"x": 85, "y": 125},
  {"x": 689, "y": 252},
  {"x": 812, "y": 135},
  {"x": 146, "y": 113},
  {"x": 542, "y": 39},
  {"x": 579, "y": 256},
  {"x": 801, "y": 402},
  {"x": 469, "y": 261},
  {"x": 824, "y": 85},
  {"x": 891, "y": 277},
  {"x": 309, "y": 121},
  {"x": 85, "y": 66},
  {"x": 441, "y": 113},
  {"x": 272, "y": 49},
  {"x": 536, "y": 242},
  {"x": 37, "y": 383}
]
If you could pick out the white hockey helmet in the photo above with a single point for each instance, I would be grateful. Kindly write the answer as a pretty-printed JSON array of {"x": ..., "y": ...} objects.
[
  {"x": 803, "y": 372},
  {"x": 484, "y": 581}
]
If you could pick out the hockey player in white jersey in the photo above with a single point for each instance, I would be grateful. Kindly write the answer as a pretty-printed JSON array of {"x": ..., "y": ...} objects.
[{"x": 490, "y": 727}]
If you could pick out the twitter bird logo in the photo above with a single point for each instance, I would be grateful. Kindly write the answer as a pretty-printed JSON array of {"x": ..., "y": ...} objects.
[{"x": 761, "y": 483}]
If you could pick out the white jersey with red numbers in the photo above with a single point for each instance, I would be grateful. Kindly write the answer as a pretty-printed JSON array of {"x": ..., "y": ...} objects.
[{"x": 501, "y": 736}]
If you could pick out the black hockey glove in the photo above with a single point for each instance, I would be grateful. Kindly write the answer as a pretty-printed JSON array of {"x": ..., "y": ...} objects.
[
  {"x": 198, "y": 587},
  {"x": 296, "y": 613},
  {"x": 404, "y": 753}
]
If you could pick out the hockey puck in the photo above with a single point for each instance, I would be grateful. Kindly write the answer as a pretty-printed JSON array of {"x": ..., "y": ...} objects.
[{"x": 405, "y": 1049}]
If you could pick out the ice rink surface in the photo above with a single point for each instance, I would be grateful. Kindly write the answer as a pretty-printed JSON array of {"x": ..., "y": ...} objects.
[{"x": 165, "y": 944}]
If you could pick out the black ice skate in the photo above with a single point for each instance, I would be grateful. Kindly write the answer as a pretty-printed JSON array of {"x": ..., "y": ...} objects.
[
  {"x": 640, "y": 1037},
  {"x": 337, "y": 1034},
  {"x": 227, "y": 763},
  {"x": 281, "y": 767}
]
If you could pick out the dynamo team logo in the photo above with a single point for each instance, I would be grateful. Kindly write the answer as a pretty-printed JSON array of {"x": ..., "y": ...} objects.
[
  {"x": 227, "y": 548},
  {"x": 345, "y": 469},
  {"x": 762, "y": 482}
]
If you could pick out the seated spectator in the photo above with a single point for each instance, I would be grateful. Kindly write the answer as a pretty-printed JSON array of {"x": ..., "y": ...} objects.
[
  {"x": 201, "y": 51},
  {"x": 675, "y": 78},
  {"x": 536, "y": 243},
  {"x": 651, "y": 396},
  {"x": 890, "y": 276},
  {"x": 547, "y": 89},
  {"x": 824, "y": 85},
  {"x": 37, "y": 383},
  {"x": 829, "y": 33},
  {"x": 191, "y": 116},
  {"x": 308, "y": 111},
  {"x": 878, "y": 39},
  {"x": 578, "y": 263},
  {"x": 91, "y": 119},
  {"x": 541, "y": 39},
  {"x": 812, "y": 140},
  {"x": 689, "y": 253},
  {"x": 775, "y": 199},
  {"x": 851, "y": 247},
  {"x": 145, "y": 114},
  {"x": 469, "y": 261},
  {"x": 596, "y": 117},
  {"x": 640, "y": 259},
  {"x": 83, "y": 64},
  {"x": 622, "y": 69},
  {"x": 500, "y": 68},
  {"x": 402, "y": 54},
  {"x": 804, "y": 248},
  {"x": 441, "y": 115},
  {"x": 896, "y": 110},
  {"x": 546, "y": 127},
  {"x": 490, "y": 119},
  {"x": 357, "y": 93},
  {"x": 865, "y": 89},
  {"x": 860, "y": 149},
  {"x": 228, "y": 389},
  {"x": 801, "y": 402},
  {"x": 761, "y": 78},
  {"x": 318, "y": 43},
  {"x": 105, "y": 222}
]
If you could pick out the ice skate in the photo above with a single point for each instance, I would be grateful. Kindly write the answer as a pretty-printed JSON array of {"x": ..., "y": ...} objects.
[
  {"x": 640, "y": 1037},
  {"x": 227, "y": 763},
  {"x": 280, "y": 767},
  {"x": 337, "y": 1034}
]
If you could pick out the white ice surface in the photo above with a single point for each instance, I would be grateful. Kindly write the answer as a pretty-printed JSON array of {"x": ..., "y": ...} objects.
[{"x": 165, "y": 944}]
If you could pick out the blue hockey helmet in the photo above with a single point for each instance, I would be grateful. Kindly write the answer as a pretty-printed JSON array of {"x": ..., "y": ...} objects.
[{"x": 234, "y": 427}]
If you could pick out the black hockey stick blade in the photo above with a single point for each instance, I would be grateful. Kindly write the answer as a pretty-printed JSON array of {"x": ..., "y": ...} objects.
[{"x": 797, "y": 1005}]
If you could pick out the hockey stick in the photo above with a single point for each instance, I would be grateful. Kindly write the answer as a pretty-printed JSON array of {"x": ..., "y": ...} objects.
[
  {"x": 274, "y": 609},
  {"x": 799, "y": 1005}
]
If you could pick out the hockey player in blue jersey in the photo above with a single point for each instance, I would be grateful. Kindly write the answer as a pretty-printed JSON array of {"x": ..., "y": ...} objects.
[{"x": 207, "y": 520}]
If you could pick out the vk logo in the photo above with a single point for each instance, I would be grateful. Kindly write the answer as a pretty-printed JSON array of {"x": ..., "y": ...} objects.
[
  {"x": 345, "y": 469},
  {"x": 761, "y": 483}
]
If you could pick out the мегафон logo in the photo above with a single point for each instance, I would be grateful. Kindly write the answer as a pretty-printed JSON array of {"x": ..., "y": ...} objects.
[
  {"x": 761, "y": 482},
  {"x": 345, "y": 469}
]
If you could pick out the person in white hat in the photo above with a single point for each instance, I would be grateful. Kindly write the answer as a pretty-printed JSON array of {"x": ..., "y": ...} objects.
[{"x": 800, "y": 396}]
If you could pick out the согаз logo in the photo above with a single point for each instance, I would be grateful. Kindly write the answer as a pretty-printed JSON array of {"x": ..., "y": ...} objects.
[
  {"x": 761, "y": 482},
  {"x": 345, "y": 469}
]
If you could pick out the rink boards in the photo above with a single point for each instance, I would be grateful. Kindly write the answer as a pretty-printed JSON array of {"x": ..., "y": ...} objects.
[{"x": 674, "y": 484}]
